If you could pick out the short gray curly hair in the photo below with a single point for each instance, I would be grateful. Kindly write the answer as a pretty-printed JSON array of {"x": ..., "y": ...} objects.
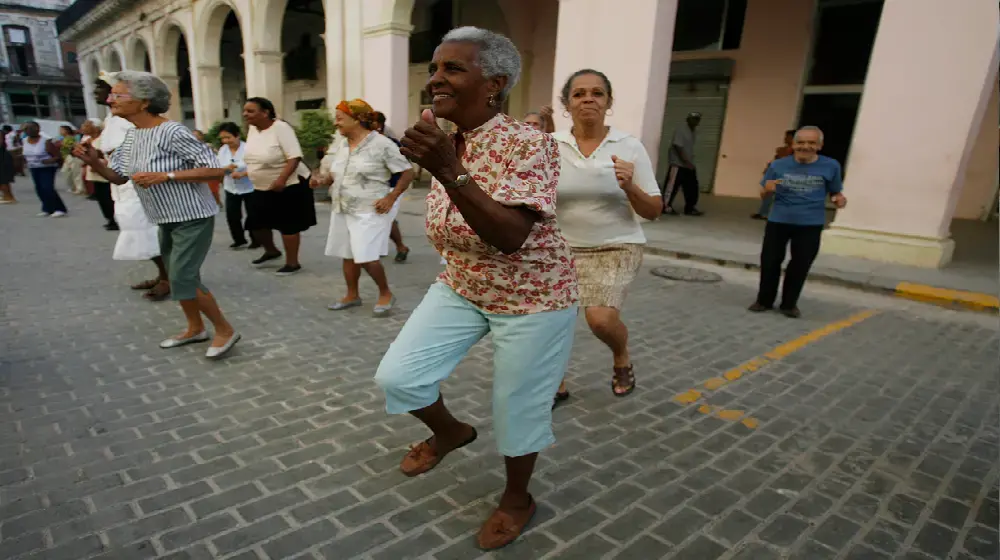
[
  {"x": 497, "y": 54},
  {"x": 146, "y": 86}
]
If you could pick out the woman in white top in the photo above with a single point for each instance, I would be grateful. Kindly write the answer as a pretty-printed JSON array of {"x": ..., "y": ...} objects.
[
  {"x": 237, "y": 182},
  {"x": 281, "y": 199},
  {"x": 364, "y": 205},
  {"x": 606, "y": 184}
]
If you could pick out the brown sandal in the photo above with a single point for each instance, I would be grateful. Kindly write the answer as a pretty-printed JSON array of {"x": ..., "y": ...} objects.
[
  {"x": 159, "y": 292},
  {"x": 146, "y": 284},
  {"x": 502, "y": 529},
  {"x": 623, "y": 378},
  {"x": 422, "y": 457}
]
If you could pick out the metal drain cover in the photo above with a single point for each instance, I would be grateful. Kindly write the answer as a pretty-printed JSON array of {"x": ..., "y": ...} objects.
[{"x": 686, "y": 274}]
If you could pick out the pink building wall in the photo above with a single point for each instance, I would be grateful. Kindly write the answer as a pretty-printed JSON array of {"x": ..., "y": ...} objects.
[
  {"x": 980, "y": 185},
  {"x": 765, "y": 91}
]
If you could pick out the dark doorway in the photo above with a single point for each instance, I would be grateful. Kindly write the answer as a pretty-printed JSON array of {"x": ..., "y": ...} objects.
[{"x": 835, "y": 113}]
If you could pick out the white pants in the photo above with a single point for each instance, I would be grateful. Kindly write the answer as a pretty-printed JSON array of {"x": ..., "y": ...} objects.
[{"x": 360, "y": 237}]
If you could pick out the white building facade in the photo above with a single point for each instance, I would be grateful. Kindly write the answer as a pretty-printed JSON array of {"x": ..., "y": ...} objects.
[{"x": 909, "y": 106}]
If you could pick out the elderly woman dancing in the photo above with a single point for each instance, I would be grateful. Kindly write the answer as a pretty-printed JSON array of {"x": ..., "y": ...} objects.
[
  {"x": 170, "y": 167},
  {"x": 491, "y": 213}
]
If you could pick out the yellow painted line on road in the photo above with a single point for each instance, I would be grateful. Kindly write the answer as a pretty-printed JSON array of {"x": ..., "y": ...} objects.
[
  {"x": 692, "y": 396},
  {"x": 931, "y": 294}
]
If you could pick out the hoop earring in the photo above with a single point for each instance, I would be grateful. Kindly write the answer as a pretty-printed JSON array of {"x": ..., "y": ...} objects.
[
  {"x": 565, "y": 114},
  {"x": 610, "y": 112}
]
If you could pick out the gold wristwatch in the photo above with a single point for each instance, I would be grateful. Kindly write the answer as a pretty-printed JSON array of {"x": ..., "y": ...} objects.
[{"x": 459, "y": 182}]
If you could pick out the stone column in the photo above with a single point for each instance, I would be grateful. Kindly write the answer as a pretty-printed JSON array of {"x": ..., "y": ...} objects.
[
  {"x": 268, "y": 77},
  {"x": 176, "y": 111},
  {"x": 387, "y": 47},
  {"x": 637, "y": 61},
  {"x": 208, "y": 108},
  {"x": 333, "y": 42},
  {"x": 87, "y": 79},
  {"x": 927, "y": 89}
]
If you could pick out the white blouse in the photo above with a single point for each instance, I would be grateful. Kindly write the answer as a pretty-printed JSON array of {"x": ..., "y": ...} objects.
[{"x": 592, "y": 209}]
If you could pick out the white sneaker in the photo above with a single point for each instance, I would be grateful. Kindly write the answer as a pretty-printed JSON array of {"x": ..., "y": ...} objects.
[
  {"x": 58, "y": 214},
  {"x": 43, "y": 214}
]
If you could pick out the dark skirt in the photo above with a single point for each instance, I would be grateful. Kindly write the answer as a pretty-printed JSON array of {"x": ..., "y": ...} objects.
[
  {"x": 6, "y": 168},
  {"x": 289, "y": 211}
]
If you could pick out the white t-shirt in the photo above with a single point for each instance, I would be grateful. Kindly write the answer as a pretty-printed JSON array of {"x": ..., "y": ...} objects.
[
  {"x": 267, "y": 151},
  {"x": 592, "y": 210},
  {"x": 114, "y": 132}
]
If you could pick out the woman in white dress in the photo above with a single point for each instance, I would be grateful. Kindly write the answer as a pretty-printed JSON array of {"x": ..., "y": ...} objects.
[
  {"x": 137, "y": 237},
  {"x": 364, "y": 205}
]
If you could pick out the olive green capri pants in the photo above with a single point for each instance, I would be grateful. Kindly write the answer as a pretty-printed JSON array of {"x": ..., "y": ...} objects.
[{"x": 184, "y": 246}]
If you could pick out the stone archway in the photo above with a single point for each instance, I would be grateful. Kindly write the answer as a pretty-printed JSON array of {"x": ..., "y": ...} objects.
[
  {"x": 175, "y": 70},
  {"x": 113, "y": 59},
  {"x": 139, "y": 55},
  {"x": 222, "y": 71}
]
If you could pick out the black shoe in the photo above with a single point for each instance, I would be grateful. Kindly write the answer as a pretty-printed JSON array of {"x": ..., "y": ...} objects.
[
  {"x": 237, "y": 244},
  {"x": 288, "y": 270},
  {"x": 559, "y": 399},
  {"x": 792, "y": 313},
  {"x": 253, "y": 245},
  {"x": 91, "y": 197},
  {"x": 758, "y": 216},
  {"x": 759, "y": 308},
  {"x": 694, "y": 212},
  {"x": 111, "y": 226},
  {"x": 266, "y": 257}
]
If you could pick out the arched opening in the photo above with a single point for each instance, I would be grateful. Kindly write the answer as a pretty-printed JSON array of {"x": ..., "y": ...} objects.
[
  {"x": 304, "y": 63},
  {"x": 115, "y": 62},
  {"x": 177, "y": 62},
  {"x": 223, "y": 29},
  {"x": 140, "y": 56},
  {"x": 93, "y": 73}
]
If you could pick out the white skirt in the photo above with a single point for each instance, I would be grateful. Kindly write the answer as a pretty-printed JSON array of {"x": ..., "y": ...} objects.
[
  {"x": 360, "y": 237},
  {"x": 138, "y": 239}
]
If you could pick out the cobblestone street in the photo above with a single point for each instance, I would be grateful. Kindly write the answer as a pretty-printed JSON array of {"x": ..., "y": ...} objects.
[{"x": 866, "y": 430}]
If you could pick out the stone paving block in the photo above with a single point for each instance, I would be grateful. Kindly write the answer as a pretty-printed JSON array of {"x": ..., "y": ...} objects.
[
  {"x": 201, "y": 529},
  {"x": 250, "y": 534},
  {"x": 355, "y": 544}
]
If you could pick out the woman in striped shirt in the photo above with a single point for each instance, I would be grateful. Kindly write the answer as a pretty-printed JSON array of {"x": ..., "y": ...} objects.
[{"x": 171, "y": 168}]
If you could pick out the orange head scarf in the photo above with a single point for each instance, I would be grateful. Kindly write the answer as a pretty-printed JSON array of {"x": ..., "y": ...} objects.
[{"x": 360, "y": 111}]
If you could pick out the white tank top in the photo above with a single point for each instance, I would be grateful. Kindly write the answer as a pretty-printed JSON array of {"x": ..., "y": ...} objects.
[{"x": 35, "y": 154}]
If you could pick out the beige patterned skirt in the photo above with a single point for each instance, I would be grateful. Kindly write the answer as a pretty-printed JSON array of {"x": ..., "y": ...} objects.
[{"x": 605, "y": 272}]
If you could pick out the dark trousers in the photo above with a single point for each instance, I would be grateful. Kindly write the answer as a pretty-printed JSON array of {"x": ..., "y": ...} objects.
[
  {"x": 102, "y": 192},
  {"x": 234, "y": 215},
  {"x": 682, "y": 178},
  {"x": 45, "y": 187},
  {"x": 804, "y": 242}
]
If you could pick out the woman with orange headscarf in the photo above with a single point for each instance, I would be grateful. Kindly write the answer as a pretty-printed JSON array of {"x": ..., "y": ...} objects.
[{"x": 363, "y": 203}]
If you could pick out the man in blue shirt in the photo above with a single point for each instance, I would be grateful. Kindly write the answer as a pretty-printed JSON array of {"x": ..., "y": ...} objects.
[{"x": 800, "y": 184}]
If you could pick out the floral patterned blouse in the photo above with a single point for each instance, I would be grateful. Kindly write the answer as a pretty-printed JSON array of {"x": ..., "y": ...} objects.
[{"x": 517, "y": 166}]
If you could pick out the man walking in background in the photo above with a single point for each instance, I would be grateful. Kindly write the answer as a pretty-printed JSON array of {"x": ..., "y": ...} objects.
[{"x": 682, "y": 174}]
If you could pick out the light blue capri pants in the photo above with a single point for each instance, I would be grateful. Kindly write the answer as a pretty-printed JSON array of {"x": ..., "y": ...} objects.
[{"x": 530, "y": 356}]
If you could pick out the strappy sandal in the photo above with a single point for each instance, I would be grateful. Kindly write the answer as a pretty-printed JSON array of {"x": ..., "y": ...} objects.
[
  {"x": 560, "y": 398},
  {"x": 624, "y": 378},
  {"x": 146, "y": 284},
  {"x": 160, "y": 291},
  {"x": 401, "y": 256}
]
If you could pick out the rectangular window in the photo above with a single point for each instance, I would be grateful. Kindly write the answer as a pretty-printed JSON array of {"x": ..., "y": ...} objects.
[
  {"x": 845, "y": 37},
  {"x": 307, "y": 104},
  {"x": 709, "y": 25},
  {"x": 77, "y": 105},
  {"x": 22, "y": 105},
  {"x": 17, "y": 43}
]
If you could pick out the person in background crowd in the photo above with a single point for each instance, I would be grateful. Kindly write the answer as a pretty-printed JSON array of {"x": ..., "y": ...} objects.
[
  {"x": 606, "y": 183},
  {"x": 170, "y": 166},
  {"x": 683, "y": 175},
  {"x": 6, "y": 174},
  {"x": 396, "y": 235},
  {"x": 139, "y": 237},
  {"x": 363, "y": 205},
  {"x": 43, "y": 159},
  {"x": 14, "y": 138},
  {"x": 215, "y": 186},
  {"x": 541, "y": 120},
  {"x": 72, "y": 168},
  {"x": 779, "y": 152},
  {"x": 281, "y": 199},
  {"x": 237, "y": 183},
  {"x": 510, "y": 272},
  {"x": 800, "y": 185},
  {"x": 102, "y": 188}
]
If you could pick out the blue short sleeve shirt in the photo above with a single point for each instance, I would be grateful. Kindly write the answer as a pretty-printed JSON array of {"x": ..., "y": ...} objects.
[{"x": 800, "y": 197}]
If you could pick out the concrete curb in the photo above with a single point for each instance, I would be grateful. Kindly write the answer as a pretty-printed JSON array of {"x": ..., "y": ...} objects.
[{"x": 942, "y": 297}]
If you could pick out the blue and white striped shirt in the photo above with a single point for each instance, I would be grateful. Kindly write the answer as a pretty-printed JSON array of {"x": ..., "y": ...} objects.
[{"x": 162, "y": 149}]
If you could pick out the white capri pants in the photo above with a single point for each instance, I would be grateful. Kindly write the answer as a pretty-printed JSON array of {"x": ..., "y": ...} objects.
[{"x": 362, "y": 238}]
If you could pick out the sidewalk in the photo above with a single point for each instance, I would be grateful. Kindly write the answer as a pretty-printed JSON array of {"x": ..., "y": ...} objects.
[{"x": 727, "y": 236}]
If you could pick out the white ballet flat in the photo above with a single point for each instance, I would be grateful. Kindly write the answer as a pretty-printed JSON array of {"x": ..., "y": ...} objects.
[
  {"x": 178, "y": 342},
  {"x": 214, "y": 353}
]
